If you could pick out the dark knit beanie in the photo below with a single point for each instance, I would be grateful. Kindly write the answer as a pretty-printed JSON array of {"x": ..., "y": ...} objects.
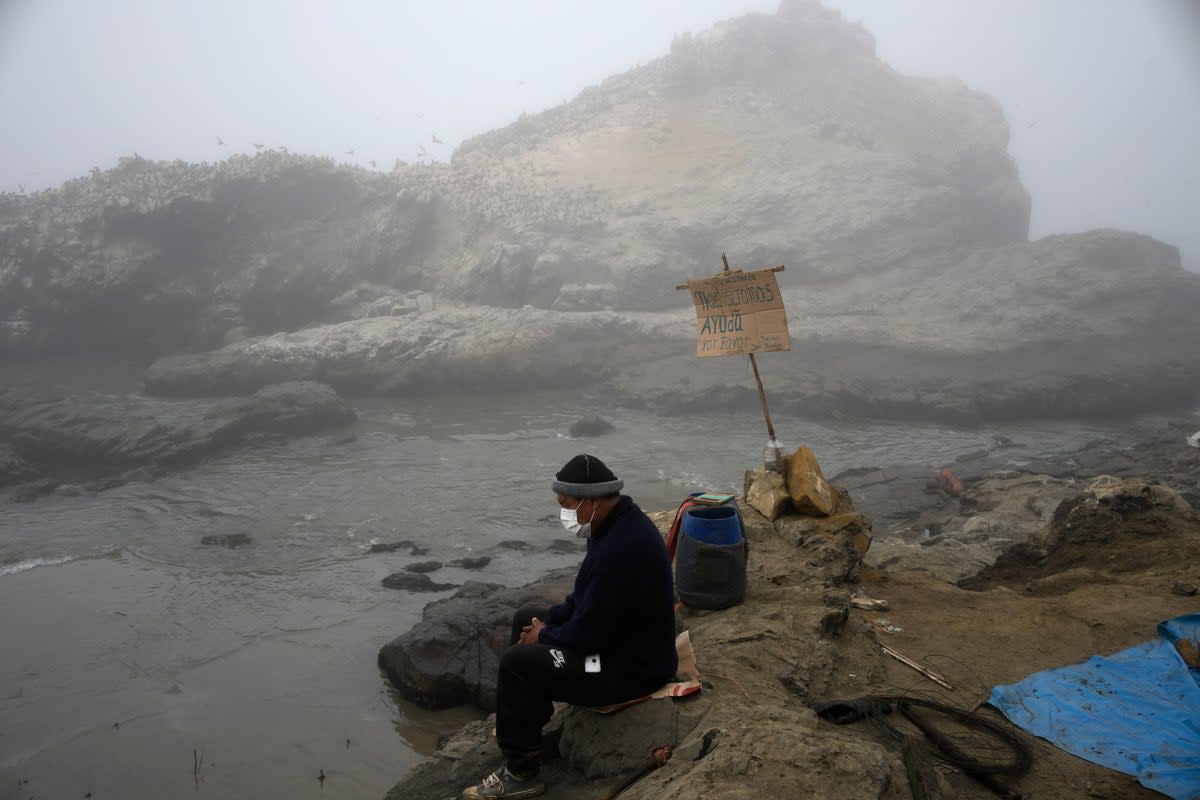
[{"x": 586, "y": 476}]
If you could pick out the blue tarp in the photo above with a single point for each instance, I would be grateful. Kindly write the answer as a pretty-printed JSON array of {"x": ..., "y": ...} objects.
[{"x": 1137, "y": 711}]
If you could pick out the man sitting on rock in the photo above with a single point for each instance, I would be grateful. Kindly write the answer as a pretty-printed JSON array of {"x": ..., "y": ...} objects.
[{"x": 611, "y": 640}]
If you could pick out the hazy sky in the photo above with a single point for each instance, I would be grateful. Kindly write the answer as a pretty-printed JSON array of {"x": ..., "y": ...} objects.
[{"x": 1103, "y": 96}]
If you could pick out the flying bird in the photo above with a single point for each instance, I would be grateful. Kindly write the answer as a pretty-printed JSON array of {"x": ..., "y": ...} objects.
[
  {"x": 372, "y": 163},
  {"x": 436, "y": 140},
  {"x": 348, "y": 153},
  {"x": 258, "y": 146},
  {"x": 220, "y": 141},
  {"x": 421, "y": 149}
]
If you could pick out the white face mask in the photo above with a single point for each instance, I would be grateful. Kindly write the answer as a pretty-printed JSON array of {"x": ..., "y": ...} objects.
[{"x": 569, "y": 517}]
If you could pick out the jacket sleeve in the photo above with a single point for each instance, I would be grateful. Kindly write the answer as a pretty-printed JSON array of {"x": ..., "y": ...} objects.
[
  {"x": 562, "y": 612},
  {"x": 592, "y": 615}
]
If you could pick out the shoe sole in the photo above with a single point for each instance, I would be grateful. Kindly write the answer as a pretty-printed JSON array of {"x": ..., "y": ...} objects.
[{"x": 531, "y": 792}]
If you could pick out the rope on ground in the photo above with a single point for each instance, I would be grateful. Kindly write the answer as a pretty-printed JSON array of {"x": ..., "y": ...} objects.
[{"x": 749, "y": 697}]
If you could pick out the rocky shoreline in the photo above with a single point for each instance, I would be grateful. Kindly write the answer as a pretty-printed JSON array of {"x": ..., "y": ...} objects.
[
  {"x": 1064, "y": 535},
  {"x": 53, "y": 442}
]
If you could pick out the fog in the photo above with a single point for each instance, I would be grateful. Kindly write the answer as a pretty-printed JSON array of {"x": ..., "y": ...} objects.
[
  {"x": 238, "y": 402},
  {"x": 1103, "y": 99}
]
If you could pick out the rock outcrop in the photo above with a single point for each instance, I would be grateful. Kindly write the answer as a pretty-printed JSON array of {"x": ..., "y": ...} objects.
[
  {"x": 451, "y": 656},
  {"x": 65, "y": 439},
  {"x": 911, "y": 287},
  {"x": 1114, "y": 525},
  {"x": 457, "y": 349},
  {"x": 1003, "y": 511},
  {"x": 1009, "y": 504}
]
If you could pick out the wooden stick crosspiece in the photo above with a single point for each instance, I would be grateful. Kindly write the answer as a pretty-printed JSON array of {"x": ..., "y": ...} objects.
[{"x": 739, "y": 313}]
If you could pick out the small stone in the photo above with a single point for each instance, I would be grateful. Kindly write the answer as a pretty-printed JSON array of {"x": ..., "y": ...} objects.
[
  {"x": 1184, "y": 589},
  {"x": 471, "y": 562},
  {"x": 424, "y": 566},
  {"x": 412, "y": 582}
]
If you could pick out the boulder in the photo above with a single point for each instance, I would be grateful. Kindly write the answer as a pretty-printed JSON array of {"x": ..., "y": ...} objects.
[
  {"x": 766, "y": 491},
  {"x": 415, "y": 582},
  {"x": 602, "y": 746},
  {"x": 451, "y": 656},
  {"x": 810, "y": 492},
  {"x": 835, "y": 544},
  {"x": 591, "y": 426},
  {"x": 423, "y": 566},
  {"x": 471, "y": 562}
]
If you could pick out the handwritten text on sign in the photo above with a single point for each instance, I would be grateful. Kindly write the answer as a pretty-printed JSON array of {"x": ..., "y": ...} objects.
[{"x": 739, "y": 312}]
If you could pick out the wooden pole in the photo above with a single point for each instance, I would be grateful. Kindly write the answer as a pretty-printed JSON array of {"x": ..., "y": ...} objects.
[
  {"x": 928, "y": 673},
  {"x": 762, "y": 395}
]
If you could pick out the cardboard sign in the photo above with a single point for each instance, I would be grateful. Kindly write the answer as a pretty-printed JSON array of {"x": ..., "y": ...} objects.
[{"x": 738, "y": 313}]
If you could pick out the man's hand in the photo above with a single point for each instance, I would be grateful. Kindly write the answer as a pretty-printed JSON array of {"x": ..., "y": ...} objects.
[{"x": 529, "y": 634}]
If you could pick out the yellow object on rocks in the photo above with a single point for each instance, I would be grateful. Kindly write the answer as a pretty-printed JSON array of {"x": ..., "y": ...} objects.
[
  {"x": 810, "y": 493},
  {"x": 766, "y": 492}
]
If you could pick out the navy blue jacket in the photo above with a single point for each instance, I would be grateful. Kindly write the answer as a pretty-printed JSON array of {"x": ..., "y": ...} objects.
[{"x": 623, "y": 604}]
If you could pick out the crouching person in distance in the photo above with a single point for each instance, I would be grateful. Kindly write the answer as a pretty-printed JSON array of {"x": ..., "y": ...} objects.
[{"x": 611, "y": 640}]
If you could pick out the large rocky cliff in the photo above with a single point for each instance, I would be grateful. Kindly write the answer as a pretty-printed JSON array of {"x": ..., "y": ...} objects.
[{"x": 778, "y": 138}]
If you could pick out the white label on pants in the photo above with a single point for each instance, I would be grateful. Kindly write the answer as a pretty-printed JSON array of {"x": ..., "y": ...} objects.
[
  {"x": 559, "y": 658},
  {"x": 591, "y": 664}
]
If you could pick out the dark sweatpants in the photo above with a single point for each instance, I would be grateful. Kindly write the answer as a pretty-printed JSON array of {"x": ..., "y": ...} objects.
[{"x": 532, "y": 676}]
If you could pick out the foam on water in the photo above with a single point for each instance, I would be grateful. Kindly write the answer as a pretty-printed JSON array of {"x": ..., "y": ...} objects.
[{"x": 33, "y": 563}]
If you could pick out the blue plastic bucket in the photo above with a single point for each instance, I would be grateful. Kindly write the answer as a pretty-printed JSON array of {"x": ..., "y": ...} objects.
[{"x": 715, "y": 525}]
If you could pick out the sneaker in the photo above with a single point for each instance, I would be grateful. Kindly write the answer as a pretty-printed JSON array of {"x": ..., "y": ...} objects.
[{"x": 504, "y": 784}]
